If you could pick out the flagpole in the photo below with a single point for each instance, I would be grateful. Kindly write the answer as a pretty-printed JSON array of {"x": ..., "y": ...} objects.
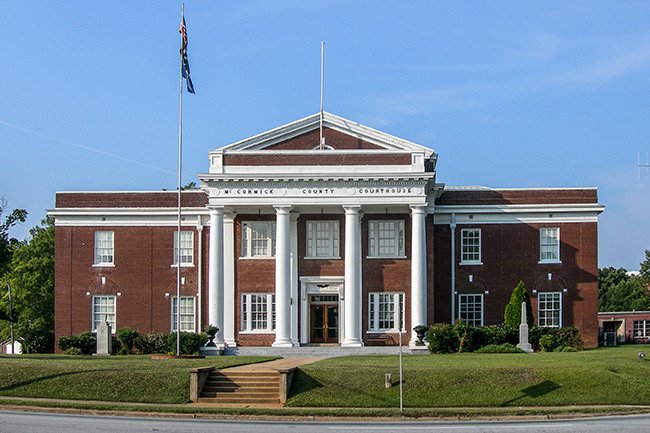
[
  {"x": 322, "y": 83},
  {"x": 180, "y": 167}
]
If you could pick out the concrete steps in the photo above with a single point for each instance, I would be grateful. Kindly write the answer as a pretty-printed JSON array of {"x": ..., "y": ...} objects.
[{"x": 251, "y": 387}]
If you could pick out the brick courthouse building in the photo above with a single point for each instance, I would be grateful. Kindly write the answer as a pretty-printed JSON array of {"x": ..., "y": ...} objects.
[{"x": 286, "y": 244}]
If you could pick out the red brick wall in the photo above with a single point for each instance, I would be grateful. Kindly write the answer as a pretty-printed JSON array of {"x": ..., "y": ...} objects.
[
  {"x": 317, "y": 159},
  {"x": 510, "y": 252},
  {"x": 130, "y": 199},
  {"x": 143, "y": 273},
  {"x": 334, "y": 138},
  {"x": 251, "y": 276},
  {"x": 518, "y": 196}
]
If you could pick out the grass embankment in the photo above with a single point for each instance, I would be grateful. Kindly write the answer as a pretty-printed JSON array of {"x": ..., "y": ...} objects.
[
  {"x": 606, "y": 376},
  {"x": 117, "y": 378}
]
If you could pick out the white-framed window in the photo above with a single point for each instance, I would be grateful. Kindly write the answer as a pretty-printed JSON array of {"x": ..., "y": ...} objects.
[
  {"x": 470, "y": 246},
  {"x": 641, "y": 328},
  {"x": 470, "y": 309},
  {"x": 323, "y": 239},
  {"x": 187, "y": 248},
  {"x": 258, "y": 312},
  {"x": 104, "y": 310},
  {"x": 104, "y": 248},
  {"x": 187, "y": 313},
  {"x": 258, "y": 239},
  {"x": 381, "y": 311},
  {"x": 549, "y": 309},
  {"x": 386, "y": 238},
  {"x": 549, "y": 245}
]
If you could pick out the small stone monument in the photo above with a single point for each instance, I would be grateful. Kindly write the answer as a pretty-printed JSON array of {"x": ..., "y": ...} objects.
[
  {"x": 523, "y": 331},
  {"x": 104, "y": 338}
]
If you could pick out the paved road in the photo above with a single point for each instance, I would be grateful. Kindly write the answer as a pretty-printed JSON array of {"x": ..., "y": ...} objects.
[{"x": 27, "y": 422}]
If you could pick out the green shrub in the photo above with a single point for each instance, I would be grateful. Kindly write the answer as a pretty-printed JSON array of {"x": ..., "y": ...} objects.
[
  {"x": 191, "y": 342},
  {"x": 442, "y": 338},
  {"x": 465, "y": 335},
  {"x": 547, "y": 343},
  {"x": 38, "y": 340},
  {"x": 495, "y": 334},
  {"x": 512, "y": 314},
  {"x": 127, "y": 338},
  {"x": 85, "y": 342},
  {"x": 565, "y": 349},
  {"x": 73, "y": 351},
  {"x": 500, "y": 348},
  {"x": 154, "y": 342},
  {"x": 549, "y": 339}
]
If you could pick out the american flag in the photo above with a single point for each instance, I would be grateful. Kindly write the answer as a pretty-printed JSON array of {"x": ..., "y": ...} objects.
[{"x": 185, "y": 64}]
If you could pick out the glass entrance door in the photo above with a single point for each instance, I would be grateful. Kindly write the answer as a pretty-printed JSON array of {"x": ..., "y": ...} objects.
[{"x": 324, "y": 315}]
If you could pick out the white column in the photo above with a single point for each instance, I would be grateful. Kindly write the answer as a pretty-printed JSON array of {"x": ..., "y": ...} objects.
[
  {"x": 352, "y": 288},
  {"x": 215, "y": 273},
  {"x": 418, "y": 270},
  {"x": 282, "y": 278},
  {"x": 293, "y": 236},
  {"x": 229, "y": 300}
]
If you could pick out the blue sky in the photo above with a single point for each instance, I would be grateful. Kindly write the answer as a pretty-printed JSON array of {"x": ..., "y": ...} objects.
[{"x": 510, "y": 94}]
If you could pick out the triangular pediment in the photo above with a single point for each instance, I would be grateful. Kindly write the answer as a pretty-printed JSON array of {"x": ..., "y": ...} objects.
[{"x": 340, "y": 135}]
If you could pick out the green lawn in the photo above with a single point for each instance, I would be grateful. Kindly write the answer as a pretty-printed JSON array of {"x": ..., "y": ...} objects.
[
  {"x": 115, "y": 378},
  {"x": 612, "y": 376}
]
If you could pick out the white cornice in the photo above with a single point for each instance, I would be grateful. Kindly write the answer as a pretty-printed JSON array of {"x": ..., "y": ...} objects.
[
  {"x": 519, "y": 208},
  {"x": 301, "y": 177},
  {"x": 309, "y": 123}
]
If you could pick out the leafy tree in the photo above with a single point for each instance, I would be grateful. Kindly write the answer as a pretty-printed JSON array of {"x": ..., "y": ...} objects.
[
  {"x": 619, "y": 291},
  {"x": 31, "y": 275},
  {"x": 189, "y": 185},
  {"x": 512, "y": 315},
  {"x": 608, "y": 278},
  {"x": 645, "y": 267},
  {"x": 7, "y": 244}
]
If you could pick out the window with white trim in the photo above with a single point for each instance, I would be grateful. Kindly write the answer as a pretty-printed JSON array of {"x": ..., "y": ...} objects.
[
  {"x": 104, "y": 246},
  {"x": 549, "y": 309},
  {"x": 187, "y": 248},
  {"x": 187, "y": 314},
  {"x": 323, "y": 239},
  {"x": 258, "y": 239},
  {"x": 641, "y": 328},
  {"x": 258, "y": 312},
  {"x": 470, "y": 309},
  {"x": 104, "y": 310},
  {"x": 470, "y": 246},
  {"x": 549, "y": 245},
  {"x": 386, "y": 238},
  {"x": 381, "y": 311}
]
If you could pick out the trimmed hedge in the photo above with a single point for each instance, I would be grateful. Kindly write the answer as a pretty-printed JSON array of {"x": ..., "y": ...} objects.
[
  {"x": 444, "y": 338},
  {"x": 129, "y": 341}
]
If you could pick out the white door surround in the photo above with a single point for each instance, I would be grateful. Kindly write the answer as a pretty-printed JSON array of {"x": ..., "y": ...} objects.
[{"x": 319, "y": 286}]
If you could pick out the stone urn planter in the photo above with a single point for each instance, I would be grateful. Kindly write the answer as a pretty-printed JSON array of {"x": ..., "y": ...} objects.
[
  {"x": 421, "y": 331},
  {"x": 211, "y": 332}
]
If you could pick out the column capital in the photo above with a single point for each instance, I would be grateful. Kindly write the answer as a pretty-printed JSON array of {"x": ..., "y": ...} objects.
[
  {"x": 282, "y": 208},
  {"x": 294, "y": 216},
  {"x": 352, "y": 208},
  {"x": 216, "y": 210},
  {"x": 418, "y": 209}
]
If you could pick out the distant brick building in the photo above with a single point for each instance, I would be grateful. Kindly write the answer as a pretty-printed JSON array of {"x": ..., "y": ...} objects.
[
  {"x": 287, "y": 244},
  {"x": 624, "y": 326}
]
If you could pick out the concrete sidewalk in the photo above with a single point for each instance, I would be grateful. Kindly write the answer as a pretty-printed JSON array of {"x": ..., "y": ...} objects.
[{"x": 272, "y": 365}]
